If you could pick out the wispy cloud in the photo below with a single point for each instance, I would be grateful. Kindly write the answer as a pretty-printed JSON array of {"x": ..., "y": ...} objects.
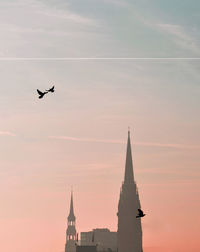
[
  {"x": 47, "y": 26},
  {"x": 118, "y": 3},
  {"x": 180, "y": 36},
  {"x": 86, "y": 139},
  {"x": 166, "y": 145},
  {"x": 68, "y": 15},
  {"x": 184, "y": 36},
  {"x": 7, "y": 133},
  {"x": 110, "y": 141}
]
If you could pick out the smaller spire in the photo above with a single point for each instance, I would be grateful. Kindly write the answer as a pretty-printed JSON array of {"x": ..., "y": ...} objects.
[{"x": 71, "y": 216}]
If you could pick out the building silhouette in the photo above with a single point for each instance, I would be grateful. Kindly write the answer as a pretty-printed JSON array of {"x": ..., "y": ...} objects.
[
  {"x": 85, "y": 248},
  {"x": 129, "y": 227},
  {"x": 128, "y": 237},
  {"x": 70, "y": 245},
  {"x": 103, "y": 237}
]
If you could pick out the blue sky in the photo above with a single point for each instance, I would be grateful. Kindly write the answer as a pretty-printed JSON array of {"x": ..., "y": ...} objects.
[
  {"x": 99, "y": 28},
  {"x": 77, "y": 135}
]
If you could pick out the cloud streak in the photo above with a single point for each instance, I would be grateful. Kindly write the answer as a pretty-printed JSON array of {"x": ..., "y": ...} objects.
[
  {"x": 93, "y": 140},
  {"x": 7, "y": 133},
  {"x": 49, "y": 30},
  {"x": 110, "y": 141},
  {"x": 181, "y": 36}
]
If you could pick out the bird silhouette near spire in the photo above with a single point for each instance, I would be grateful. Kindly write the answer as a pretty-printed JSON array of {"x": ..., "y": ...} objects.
[{"x": 140, "y": 214}]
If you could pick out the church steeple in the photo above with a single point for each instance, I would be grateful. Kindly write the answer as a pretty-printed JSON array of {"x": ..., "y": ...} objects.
[
  {"x": 129, "y": 227},
  {"x": 71, "y": 229},
  {"x": 128, "y": 177},
  {"x": 71, "y": 216}
]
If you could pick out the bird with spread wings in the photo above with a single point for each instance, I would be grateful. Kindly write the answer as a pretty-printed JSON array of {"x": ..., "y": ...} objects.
[
  {"x": 140, "y": 214},
  {"x": 51, "y": 89},
  {"x": 41, "y": 94}
]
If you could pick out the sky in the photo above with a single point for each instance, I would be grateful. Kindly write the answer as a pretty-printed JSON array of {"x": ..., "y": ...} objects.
[{"x": 115, "y": 64}]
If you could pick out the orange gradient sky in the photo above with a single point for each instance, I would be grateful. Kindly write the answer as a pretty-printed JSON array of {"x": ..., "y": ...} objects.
[{"x": 77, "y": 136}]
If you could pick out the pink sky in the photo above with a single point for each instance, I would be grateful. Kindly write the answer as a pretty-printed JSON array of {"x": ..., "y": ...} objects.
[
  {"x": 77, "y": 137},
  {"x": 36, "y": 207}
]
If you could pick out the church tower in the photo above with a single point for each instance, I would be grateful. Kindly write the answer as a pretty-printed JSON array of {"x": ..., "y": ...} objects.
[
  {"x": 71, "y": 229},
  {"x": 129, "y": 227}
]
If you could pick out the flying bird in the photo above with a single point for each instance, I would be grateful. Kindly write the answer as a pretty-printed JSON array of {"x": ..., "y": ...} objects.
[
  {"x": 140, "y": 214},
  {"x": 41, "y": 94},
  {"x": 51, "y": 89}
]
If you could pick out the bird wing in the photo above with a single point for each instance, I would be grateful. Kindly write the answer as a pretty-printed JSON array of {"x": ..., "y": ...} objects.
[
  {"x": 39, "y": 92},
  {"x": 140, "y": 211}
]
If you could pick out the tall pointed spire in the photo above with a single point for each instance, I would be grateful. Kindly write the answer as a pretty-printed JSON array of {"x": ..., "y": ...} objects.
[
  {"x": 71, "y": 229},
  {"x": 71, "y": 216},
  {"x": 129, "y": 227},
  {"x": 128, "y": 177}
]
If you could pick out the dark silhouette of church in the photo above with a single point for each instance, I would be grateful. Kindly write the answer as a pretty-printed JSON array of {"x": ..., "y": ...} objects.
[
  {"x": 129, "y": 233},
  {"x": 129, "y": 227},
  {"x": 71, "y": 229},
  {"x": 84, "y": 248}
]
